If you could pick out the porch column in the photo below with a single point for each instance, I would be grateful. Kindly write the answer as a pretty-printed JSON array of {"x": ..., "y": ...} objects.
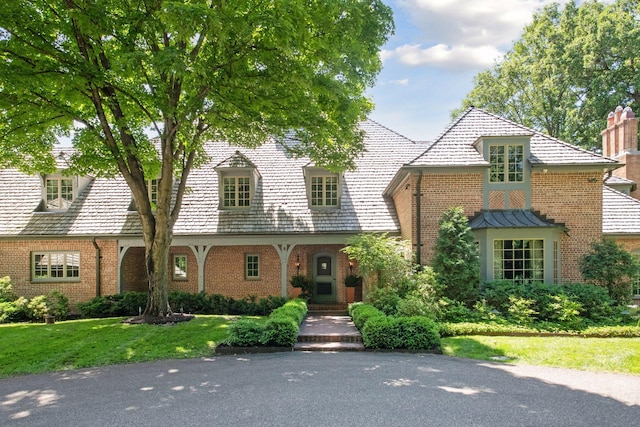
[
  {"x": 122, "y": 250},
  {"x": 201, "y": 252},
  {"x": 284, "y": 251}
]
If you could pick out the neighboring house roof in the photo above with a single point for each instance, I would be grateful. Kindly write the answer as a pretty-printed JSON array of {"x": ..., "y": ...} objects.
[
  {"x": 620, "y": 213},
  {"x": 510, "y": 219},
  {"x": 455, "y": 146},
  {"x": 280, "y": 204}
]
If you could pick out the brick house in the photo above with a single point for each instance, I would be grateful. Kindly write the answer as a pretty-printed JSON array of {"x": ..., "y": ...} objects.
[{"x": 252, "y": 218}]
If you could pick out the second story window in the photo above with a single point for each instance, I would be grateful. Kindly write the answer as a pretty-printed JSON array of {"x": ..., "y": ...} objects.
[
  {"x": 324, "y": 191},
  {"x": 507, "y": 163},
  {"x": 236, "y": 192},
  {"x": 59, "y": 193},
  {"x": 152, "y": 191}
]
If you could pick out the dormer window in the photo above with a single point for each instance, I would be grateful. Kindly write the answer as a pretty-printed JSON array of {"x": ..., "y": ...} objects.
[
  {"x": 59, "y": 193},
  {"x": 323, "y": 188},
  {"x": 507, "y": 163},
  {"x": 152, "y": 191},
  {"x": 237, "y": 182}
]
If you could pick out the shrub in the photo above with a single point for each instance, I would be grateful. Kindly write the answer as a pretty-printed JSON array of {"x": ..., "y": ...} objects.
[
  {"x": 452, "y": 310},
  {"x": 218, "y": 304},
  {"x": 6, "y": 290},
  {"x": 295, "y": 309},
  {"x": 186, "y": 302},
  {"x": 362, "y": 313},
  {"x": 385, "y": 299},
  {"x": 414, "y": 333},
  {"x": 564, "y": 311},
  {"x": 131, "y": 304},
  {"x": 37, "y": 308},
  {"x": 596, "y": 302},
  {"x": 280, "y": 331},
  {"x": 13, "y": 311},
  {"x": 104, "y": 306},
  {"x": 457, "y": 260},
  {"x": 58, "y": 304},
  {"x": 413, "y": 305},
  {"x": 520, "y": 310},
  {"x": 245, "y": 333}
]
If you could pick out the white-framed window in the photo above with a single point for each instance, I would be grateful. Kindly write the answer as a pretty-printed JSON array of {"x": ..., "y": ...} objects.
[
  {"x": 518, "y": 260},
  {"x": 506, "y": 163},
  {"x": 179, "y": 267},
  {"x": 59, "y": 193},
  {"x": 55, "y": 266},
  {"x": 252, "y": 266},
  {"x": 236, "y": 192},
  {"x": 152, "y": 191},
  {"x": 324, "y": 190}
]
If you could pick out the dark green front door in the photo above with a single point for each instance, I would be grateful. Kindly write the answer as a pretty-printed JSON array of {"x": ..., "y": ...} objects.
[{"x": 324, "y": 279}]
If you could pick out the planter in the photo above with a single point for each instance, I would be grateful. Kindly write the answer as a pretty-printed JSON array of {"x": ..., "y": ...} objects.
[
  {"x": 50, "y": 319},
  {"x": 351, "y": 295}
]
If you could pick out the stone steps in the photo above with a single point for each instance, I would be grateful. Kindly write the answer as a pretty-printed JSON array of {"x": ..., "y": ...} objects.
[{"x": 328, "y": 330}]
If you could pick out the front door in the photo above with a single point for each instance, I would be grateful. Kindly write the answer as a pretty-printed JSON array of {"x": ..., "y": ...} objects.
[{"x": 324, "y": 278}]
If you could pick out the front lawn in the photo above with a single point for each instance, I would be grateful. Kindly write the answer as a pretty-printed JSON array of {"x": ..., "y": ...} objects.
[
  {"x": 617, "y": 355},
  {"x": 34, "y": 348}
]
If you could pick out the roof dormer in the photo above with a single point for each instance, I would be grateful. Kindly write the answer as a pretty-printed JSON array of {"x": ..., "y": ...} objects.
[
  {"x": 324, "y": 188},
  {"x": 59, "y": 191},
  {"x": 237, "y": 181}
]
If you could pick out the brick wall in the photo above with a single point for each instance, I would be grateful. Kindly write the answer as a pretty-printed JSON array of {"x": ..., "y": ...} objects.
[
  {"x": 405, "y": 203},
  {"x": 575, "y": 199},
  {"x": 134, "y": 274},
  {"x": 15, "y": 261},
  {"x": 441, "y": 192}
]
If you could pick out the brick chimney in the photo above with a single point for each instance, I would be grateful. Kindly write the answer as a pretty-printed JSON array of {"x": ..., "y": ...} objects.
[{"x": 620, "y": 142}]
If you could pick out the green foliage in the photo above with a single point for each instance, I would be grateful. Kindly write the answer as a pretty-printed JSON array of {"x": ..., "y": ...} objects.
[
  {"x": 6, "y": 290},
  {"x": 280, "y": 329},
  {"x": 413, "y": 333},
  {"x": 58, "y": 305},
  {"x": 245, "y": 333},
  {"x": 609, "y": 265},
  {"x": 362, "y": 313},
  {"x": 381, "y": 259},
  {"x": 414, "y": 294},
  {"x": 520, "y": 311},
  {"x": 190, "y": 72},
  {"x": 186, "y": 302},
  {"x": 352, "y": 281},
  {"x": 456, "y": 261},
  {"x": 304, "y": 284},
  {"x": 570, "y": 68},
  {"x": 452, "y": 311},
  {"x": 37, "y": 308},
  {"x": 131, "y": 303},
  {"x": 564, "y": 311}
]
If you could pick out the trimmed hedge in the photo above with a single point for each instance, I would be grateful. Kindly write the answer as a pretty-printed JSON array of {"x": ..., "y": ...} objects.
[
  {"x": 458, "y": 329},
  {"x": 280, "y": 329},
  {"x": 413, "y": 333},
  {"x": 362, "y": 313},
  {"x": 130, "y": 304}
]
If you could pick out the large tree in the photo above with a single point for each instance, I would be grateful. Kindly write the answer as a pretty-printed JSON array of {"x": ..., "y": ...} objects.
[
  {"x": 570, "y": 68},
  {"x": 120, "y": 72}
]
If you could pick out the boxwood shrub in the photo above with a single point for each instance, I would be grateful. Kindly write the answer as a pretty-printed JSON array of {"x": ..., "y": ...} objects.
[
  {"x": 362, "y": 313},
  {"x": 280, "y": 329},
  {"x": 413, "y": 333}
]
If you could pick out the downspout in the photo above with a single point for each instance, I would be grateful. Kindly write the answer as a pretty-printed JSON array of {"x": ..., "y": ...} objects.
[
  {"x": 95, "y": 245},
  {"x": 419, "y": 219}
]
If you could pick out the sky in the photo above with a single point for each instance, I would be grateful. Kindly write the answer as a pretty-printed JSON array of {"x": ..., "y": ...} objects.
[{"x": 438, "y": 48}]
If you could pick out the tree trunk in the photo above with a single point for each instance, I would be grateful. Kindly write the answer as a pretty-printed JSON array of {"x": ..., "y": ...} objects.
[{"x": 157, "y": 248}]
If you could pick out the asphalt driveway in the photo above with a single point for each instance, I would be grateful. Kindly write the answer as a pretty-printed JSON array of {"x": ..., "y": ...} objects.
[{"x": 321, "y": 389}]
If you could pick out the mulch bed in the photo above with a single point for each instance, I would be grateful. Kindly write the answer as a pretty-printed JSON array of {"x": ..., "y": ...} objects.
[{"x": 159, "y": 320}]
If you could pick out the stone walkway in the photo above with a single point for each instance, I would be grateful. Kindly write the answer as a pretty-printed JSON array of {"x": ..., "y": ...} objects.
[{"x": 328, "y": 332}]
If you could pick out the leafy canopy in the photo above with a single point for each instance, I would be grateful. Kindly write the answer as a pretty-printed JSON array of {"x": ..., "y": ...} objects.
[{"x": 571, "y": 67}]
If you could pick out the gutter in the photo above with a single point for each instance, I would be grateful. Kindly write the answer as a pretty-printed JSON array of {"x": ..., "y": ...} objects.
[
  {"x": 95, "y": 245},
  {"x": 419, "y": 219}
]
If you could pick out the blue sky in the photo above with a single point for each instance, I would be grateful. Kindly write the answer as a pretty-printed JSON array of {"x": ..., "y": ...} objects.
[{"x": 437, "y": 49}]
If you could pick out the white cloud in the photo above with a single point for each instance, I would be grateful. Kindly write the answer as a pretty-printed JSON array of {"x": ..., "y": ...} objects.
[
  {"x": 460, "y": 57},
  {"x": 401, "y": 82},
  {"x": 462, "y": 34}
]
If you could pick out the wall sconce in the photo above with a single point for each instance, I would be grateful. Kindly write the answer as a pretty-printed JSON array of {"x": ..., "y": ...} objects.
[
  {"x": 298, "y": 263},
  {"x": 350, "y": 267}
]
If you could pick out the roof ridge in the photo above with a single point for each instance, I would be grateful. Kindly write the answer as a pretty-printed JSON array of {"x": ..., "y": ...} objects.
[{"x": 389, "y": 130}]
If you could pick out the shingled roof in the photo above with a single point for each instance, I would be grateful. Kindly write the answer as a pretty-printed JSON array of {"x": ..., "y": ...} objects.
[
  {"x": 620, "y": 213},
  {"x": 280, "y": 204},
  {"x": 455, "y": 146}
]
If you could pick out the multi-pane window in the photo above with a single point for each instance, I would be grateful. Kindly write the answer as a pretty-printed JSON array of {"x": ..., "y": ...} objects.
[
  {"x": 55, "y": 266},
  {"x": 636, "y": 282},
  {"x": 152, "y": 191},
  {"x": 507, "y": 163},
  {"x": 252, "y": 266},
  {"x": 324, "y": 191},
  {"x": 236, "y": 192},
  {"x": 179, "y": 267},
  {"x": 59, "y": 193},
  {"x": 518, "y": 260}
]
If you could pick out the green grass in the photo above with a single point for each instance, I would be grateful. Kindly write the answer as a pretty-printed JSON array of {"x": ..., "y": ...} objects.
[
  {"x": 36, "y": 348},
  {"x": 617, "y": 355}
]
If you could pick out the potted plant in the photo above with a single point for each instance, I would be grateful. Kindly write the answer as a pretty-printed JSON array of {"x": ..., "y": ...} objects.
[
  {"x": 351, "y": 282},
  {"x": 305, "y": 285}
]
